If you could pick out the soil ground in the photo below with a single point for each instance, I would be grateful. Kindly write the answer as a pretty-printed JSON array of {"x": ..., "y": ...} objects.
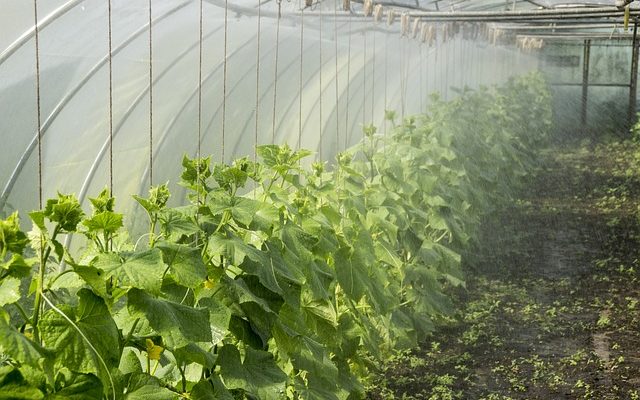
[{"x": 552, "y": 306}]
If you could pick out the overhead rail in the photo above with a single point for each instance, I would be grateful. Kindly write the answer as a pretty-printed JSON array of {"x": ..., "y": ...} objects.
[{"x": 528, "y": 15}]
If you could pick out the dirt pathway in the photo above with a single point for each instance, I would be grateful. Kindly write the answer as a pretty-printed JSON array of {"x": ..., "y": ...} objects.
[{"x": 552, "y": 308}]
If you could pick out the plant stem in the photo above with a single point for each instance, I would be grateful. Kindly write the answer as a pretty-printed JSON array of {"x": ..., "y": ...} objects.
[
  {"x": 152, "y": 230},
  {"x": 37, "y": 305},
  {"x": 23, "y": 313}
]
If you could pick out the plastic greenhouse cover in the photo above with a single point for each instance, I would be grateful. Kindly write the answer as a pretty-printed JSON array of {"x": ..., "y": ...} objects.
[{"x": 344, "y": 73}]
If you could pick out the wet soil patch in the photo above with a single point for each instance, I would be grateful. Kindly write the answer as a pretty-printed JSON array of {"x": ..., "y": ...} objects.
[{"x": 552, "y": 306}]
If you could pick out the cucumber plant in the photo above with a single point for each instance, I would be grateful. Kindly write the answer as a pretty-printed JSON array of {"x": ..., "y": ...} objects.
[{"x": 294, "y": 290}]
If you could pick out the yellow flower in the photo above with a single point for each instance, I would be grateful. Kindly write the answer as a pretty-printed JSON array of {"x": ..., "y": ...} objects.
[{"x": 153, "y": 350}]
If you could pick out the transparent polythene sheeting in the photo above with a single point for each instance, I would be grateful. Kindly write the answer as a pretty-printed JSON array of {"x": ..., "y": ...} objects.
[{"x": 393, "y": 74}]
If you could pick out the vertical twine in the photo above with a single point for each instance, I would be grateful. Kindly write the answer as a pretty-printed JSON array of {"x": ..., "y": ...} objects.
[
  {"x": 38, "y": 100},
  {"x": 364, "y": 80},
  {"x": 386, "y": 77},
  {"x": 275, "y": 74},
  {"x": 421, "y": 83},
  {"x": 255, "y": 138},
  {"x": 199, "y": 149},
  {"x": 224, "y": 77},
  {"x": 346, "y": 135},
  {"x": 150, "y": 95},
  {"x": 335, "y": 41},
  {"x": 373, "y": 76},
  {"x": 402, "y": 80},
  {"x": 110, "y": 34},
  {"x": 200, "y": 39},
  {"x": 321, "y": 124},
  {"x": 300, "y": 78}
]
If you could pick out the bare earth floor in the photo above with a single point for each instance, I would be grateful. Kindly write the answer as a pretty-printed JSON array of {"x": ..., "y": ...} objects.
[{"x": 552, "y": 306}]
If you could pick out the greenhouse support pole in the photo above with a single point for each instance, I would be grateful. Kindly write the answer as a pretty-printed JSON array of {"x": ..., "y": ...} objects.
[
  {"x": 585, "y": 80},
  {"x": 633, "y": 83}
]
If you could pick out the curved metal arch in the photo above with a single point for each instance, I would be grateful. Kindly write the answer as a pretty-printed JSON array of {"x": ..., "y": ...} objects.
[
  {"x": 190, "y": 98},
  {"x": 103, "y": 150},
  {"x": 43, "y": 23},
  {"x": 65, "y": 100}
]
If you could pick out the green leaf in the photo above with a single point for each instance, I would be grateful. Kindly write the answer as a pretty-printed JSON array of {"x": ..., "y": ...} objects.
[
  {"x": 18, "y": 266},
  {"x": 178, "y": 324},
  {"x": 104, "y": 201},
  {"x": 70, "y": 344},
  {"x": 9, "y": 291},
  {"x": 145, "y": 387},
  {"x": 158, "y": 197},
  {"x": 18, "y": 346},
  {"x": 106, "y": 221},
  {"x": 184, "y": 262},
  {"x": 65, "y": 211},
  {"x": 94, "y": 277},
  {"x": 129, "y": 362},
  {"x": 211, "y": 389},
  {"x": 177, "y": 222},
  {"x": 81, "y": 387},
  {"x": 142, "y": 270},
  {"x": 11, "y": 237},
  {"x": 257, "y": 374},
  {"x": 195, "y": 353},
  {"x": 13, "y": 391}
]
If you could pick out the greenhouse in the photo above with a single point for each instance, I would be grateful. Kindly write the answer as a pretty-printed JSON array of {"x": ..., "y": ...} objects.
[{"x": 319, "y": 199}]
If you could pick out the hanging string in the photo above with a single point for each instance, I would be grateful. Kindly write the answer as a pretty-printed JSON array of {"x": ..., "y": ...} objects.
[
  {"x": 255, "y": 138},
  {"x": 402, "y": 80},
  {"x": 224, "y": 75},
  {"x": 386, "y": 77},
  {"x": 150, "y": 95},
  {"x": 421, "y": 83},
  {"x": 335, "y": 41},
  {"x": 300, "y": 80},
  {"x": 110, "y": 100},
  {"x": 38, "y": 100},
  {"x": 364, "y": 81},
  {"x": 321, "y": 124},
  {"x": 438, "y": 59},
  {"x": 346, "y": 136},
  {"x": 275, "y": 74},
  {"x": 373, "y": 76},
  {"x": 200, "y": 39}
]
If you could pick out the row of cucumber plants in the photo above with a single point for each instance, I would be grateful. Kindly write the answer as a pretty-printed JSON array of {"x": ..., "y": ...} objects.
[{"x": 293, "y": 290}]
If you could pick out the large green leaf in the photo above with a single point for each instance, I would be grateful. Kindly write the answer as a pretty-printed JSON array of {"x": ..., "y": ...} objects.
[
  {"x": 211, "y": 389},
  {"x": 145, "y": 387},
  {"x": 80, "y": 387},
  {"x": 13, "y": 385},
  {"x": 9, "y": 290},
  {"x": 16, "y": 345},
  {"x": 257, "y": 374},
  {"x": 142, "y": 270},
  {"x": 75, "y": 345},
  {"x": 178, "y": 324},
  {"x": 185, "y": 263}
]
